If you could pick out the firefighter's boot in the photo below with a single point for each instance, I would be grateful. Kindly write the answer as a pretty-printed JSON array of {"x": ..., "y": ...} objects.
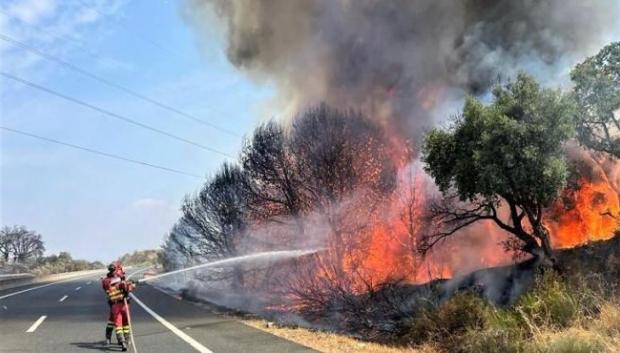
[
  {"x": 120, "y": 336},
  {"x": 108, "y": 334}
]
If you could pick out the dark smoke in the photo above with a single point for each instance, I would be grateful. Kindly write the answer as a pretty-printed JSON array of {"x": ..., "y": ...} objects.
[{"x": 394, "y": 59}]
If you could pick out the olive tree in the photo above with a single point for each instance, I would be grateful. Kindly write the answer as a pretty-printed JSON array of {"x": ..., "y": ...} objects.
[
  {"x": 502, "y": 162},
  {"x": 597, "y": 89}
]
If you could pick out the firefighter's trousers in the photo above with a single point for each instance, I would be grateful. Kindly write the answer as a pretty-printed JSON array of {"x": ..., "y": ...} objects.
[{"x": 119, "y": 322}]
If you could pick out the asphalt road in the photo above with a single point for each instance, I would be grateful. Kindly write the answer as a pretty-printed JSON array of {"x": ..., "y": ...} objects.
[{"x": 70, "y": 316}]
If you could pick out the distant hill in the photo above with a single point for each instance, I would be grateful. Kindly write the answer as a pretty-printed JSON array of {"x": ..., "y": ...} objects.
[
  {"x": 141, "y": 258},
  {"x": 46, "y": 265}
]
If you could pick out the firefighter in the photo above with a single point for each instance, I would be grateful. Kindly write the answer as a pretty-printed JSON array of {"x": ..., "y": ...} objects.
[{"x": 117, "y": 289}]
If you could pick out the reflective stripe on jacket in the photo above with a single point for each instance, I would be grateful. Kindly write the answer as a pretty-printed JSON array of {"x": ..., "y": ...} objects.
[
  {"x": 115, "y": 294},
  {"x": 115, "y": 288}
]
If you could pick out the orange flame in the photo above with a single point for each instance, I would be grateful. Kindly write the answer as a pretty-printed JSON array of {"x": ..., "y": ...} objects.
[
  {"x": 591, "y": 214},
  {"x": 586, "y": 211}
]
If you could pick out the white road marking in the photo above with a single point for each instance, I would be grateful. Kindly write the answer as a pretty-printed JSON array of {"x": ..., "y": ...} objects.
[
  {"x": 4, "y": 307},
  {"x": 88, "y": 283},
  {"x": 42, "y": 286},
  {"x": 36, "y": 324},
  {"x": 63, "y": 298},
  {"x": 182, "y": 335},
  {"x": 78, "y": 288}
]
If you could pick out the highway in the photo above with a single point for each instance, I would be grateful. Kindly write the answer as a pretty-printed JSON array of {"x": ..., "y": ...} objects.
[{"x": 70, "y": 316}]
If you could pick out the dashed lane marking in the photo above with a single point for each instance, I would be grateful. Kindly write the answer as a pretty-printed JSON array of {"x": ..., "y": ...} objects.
[
  {"x": 63, "y": 298},
  {"x": 78, "y": 288},
  {"x": 182, "y": 335},
  {"x": 36, "y": 324}
]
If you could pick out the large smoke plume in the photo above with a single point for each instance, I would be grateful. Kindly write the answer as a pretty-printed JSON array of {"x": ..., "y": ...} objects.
[{"x": 395, "y": 60}]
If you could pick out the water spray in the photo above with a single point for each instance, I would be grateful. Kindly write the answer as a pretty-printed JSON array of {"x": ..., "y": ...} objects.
[{"x": 278, "y": 254}]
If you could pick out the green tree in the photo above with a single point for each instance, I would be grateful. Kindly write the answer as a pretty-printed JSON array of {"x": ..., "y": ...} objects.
[
  {"x": 507, "y": 155},
  {"x": 23, "y": 244},
  {"x": 597, "y": 89}
]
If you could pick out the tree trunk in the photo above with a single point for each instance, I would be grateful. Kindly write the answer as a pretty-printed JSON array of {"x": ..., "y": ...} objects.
[{"x": 546, "y": 255}]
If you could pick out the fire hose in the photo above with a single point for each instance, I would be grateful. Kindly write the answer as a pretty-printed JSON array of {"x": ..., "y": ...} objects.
[{"x": 133, "y": 342}]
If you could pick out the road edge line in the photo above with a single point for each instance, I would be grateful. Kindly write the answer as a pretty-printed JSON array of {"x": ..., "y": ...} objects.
[{"x": 182, "y": 335}]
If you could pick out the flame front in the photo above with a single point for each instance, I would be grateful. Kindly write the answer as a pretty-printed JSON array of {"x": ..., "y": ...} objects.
[
  {"x": 588, "y": 212},
  {"x": 387, "y": 250}
]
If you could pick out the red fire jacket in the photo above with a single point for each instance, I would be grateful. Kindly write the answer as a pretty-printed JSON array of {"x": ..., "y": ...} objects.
[{"x": 116, "y": 288}]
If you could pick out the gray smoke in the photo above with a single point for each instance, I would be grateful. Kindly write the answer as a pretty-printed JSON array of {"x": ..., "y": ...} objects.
[{"x": 395, "y": 59}]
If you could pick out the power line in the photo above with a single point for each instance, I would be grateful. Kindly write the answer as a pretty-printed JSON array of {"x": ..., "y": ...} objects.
[
  {"x": 100, "y": 153},
  {"x": 111, "y": 114},
  {"x": 76, "y": 42},
  {"x": 109, "y": 83}
]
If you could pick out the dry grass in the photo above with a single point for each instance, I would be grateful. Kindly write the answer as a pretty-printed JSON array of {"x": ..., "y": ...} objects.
[
  {"x": 608, "y": 321},
  {"x": 600, "y": 335},
  {"x": 331, "y": 342},
  {"x": 573, "y": 340},
  {"x": 556, "y": 316}
]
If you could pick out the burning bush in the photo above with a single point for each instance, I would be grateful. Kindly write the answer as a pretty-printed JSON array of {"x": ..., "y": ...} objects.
[{"x": 320, "y": 185}]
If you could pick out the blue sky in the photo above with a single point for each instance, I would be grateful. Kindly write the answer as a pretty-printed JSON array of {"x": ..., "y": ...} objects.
[{"x": 94, "y": 207}]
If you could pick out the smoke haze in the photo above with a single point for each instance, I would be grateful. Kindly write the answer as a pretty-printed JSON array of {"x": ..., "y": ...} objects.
[{"x": 396, "y": 60}]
